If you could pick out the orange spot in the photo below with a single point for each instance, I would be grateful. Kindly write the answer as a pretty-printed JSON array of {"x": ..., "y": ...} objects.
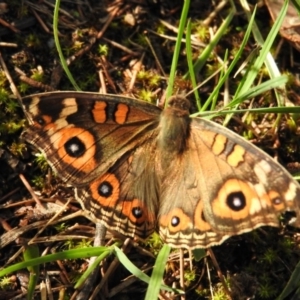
[
  {"x": 219, "y": 204},
  {"x": 99, "y": 112},
  {"x": 127, "y": 208},
  {"x": 236, "y": 156},
  {"x": 184, "y": 220},
  {"x": 121, "y": 113},
  {"x": 47, "y": 119},
  {"x": 270, "y": 199},
  {"x": 112, "y": 199},
  {"x": 85, "y": 163},
  {"x": 219, "y": 144},
  {"x": 50, "y": 126},
  {"x": 200, "y": 224}
]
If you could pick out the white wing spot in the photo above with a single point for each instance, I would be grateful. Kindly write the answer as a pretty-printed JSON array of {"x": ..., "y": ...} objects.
[
  {"x": 33, "y": 107},
  {"x": 259, "y": 189},
  {"x": 261, "y": 170},
  {"x": 291, "y": 192},
  {"x": 70, "y": 107},
  {"x": 256, "y": 206}
]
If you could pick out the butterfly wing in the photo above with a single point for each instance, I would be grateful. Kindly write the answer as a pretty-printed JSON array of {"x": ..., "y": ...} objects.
[
  {"x": 101, "y": 145},
  {"x": 83, "y": 134},
  {"x": 221, "y": 186}
]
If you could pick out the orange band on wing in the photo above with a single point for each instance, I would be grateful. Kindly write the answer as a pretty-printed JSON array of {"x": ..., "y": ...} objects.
[
  {"x": 121, "y": 113},
  {"x": 219, "y": 144},
  {"x": 236, "y": 156},
  {"x": 99, "y": 112}
]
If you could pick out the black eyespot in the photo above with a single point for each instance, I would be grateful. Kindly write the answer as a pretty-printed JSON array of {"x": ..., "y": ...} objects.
[
  {"x": 236, "y": 201},
  {"x": 75, "y": 147},
  {"x": 137, "y": 212},
  {"x": 175, "y": 221},
  {"x": 105, "y": 189}
]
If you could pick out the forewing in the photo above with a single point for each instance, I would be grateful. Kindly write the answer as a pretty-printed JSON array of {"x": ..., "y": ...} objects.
[{"x": 83, "y": 134}]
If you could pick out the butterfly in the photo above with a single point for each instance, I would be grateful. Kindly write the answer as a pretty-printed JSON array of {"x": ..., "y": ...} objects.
[{"x": 138, "y": 168}]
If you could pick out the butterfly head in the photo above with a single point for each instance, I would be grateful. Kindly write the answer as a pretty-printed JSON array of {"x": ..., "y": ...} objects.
[{"x": 179, "y": 105}]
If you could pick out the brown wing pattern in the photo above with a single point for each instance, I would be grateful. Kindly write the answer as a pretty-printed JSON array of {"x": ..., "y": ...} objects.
[{"x": 221, "y": 186}]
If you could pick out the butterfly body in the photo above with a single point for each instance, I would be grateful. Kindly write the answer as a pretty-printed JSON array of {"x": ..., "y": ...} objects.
[{"x": 136, "y": 168}]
